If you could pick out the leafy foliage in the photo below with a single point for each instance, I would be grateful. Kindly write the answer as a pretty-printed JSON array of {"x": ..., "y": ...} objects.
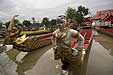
[
  {"x": 16, "y": 21},
  {"x": 53, "y": 22},
  {"x": 7, "y": 24},
  {"x": 45, "y": 21},
  {"x": 82, "y": 11},
  {"x": 26, "y": 23},
  {"x": 77, "y": 15},
  {"x": 20, "y": 25},
  {"x": 1, "y": 25},
  {"x": 71, "y": 13}
]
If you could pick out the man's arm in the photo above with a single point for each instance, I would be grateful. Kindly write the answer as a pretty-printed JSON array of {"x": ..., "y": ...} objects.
[
  {"x": 81, "y": 46},
  {"x": 76, "y": 34},
  {"x": 53, "y": 40},
  {"x": 81, "y": 41}
]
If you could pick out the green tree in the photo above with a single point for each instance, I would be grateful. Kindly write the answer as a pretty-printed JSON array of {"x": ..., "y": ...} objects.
[
  {"x": 71, "y": 13},
  {"x": 77, "y": 15},
  {"x": 45, "y": 21},
  {"x": 20, "y": 25},
  {"x": 82, "y": 11},
  {"x": 1, "y": 25},
  {"x": 7, "y": 24},
  {"x": 53, "y": 22},
  {"x": 26, "y": 23},
  {"x": 16, "y": 21}
]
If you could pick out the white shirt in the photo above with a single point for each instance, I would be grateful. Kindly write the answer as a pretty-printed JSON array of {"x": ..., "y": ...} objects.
[{"x": 71, "y": 34}]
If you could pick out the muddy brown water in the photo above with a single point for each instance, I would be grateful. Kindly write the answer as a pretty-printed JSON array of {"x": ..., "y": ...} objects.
[{"x": 98, "y": 60}]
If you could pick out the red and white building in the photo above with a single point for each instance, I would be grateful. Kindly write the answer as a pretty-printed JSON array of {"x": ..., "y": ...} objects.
[{"x": 100, "y": 18}]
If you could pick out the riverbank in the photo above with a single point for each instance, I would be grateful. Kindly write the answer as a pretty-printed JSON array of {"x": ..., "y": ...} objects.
[{"x": 1, "y": 70}]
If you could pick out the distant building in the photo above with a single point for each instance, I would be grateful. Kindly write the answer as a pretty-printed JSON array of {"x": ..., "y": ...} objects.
[
  {"x": 4, "y": 27},
  {"x": 87, "y": 21},
  {"x": 73, "y": 24},
  {"x": 98, "y": 19}
]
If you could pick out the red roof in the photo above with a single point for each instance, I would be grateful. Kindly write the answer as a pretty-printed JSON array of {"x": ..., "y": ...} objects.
[
  {"x": 102, "y": 14},
  {"x": 86, "y": 21},
  {"x": 73, "y": 22},
  {"x": 109, "y": 18}
]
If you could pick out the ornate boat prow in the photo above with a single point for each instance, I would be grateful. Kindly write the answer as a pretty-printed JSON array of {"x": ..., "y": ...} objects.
[
  {"x": 26, "y": 43},
  {"x": 30, "y": 43}
]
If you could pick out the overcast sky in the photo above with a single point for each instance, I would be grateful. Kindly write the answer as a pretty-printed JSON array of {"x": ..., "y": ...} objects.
[{"x": 50, "y": 8}]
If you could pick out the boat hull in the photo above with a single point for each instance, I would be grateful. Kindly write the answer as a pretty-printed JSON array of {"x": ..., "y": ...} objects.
[
  {"x": 88, "y": 35},
  {"x": 33, "y": 43}
]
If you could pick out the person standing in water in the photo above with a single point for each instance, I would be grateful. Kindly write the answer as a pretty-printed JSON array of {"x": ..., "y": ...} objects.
[{"x": 71, "y": 58}]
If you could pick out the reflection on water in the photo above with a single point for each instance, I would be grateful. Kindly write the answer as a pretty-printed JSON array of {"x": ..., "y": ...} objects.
[
  {"x": 29, "y": 61},
  {"x": 106, "y": 42},
  {"x": 83, "y": 68},
  {"x": 98, "y": 60},
  {"x": 11, "y": 57}
]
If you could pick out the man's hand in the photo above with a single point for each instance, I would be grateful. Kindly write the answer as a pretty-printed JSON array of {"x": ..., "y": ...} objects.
[
  {"x": 82, "y": 58},
  {"x": 54, "y": 48},
  {"x": 83, "y": 55}
]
